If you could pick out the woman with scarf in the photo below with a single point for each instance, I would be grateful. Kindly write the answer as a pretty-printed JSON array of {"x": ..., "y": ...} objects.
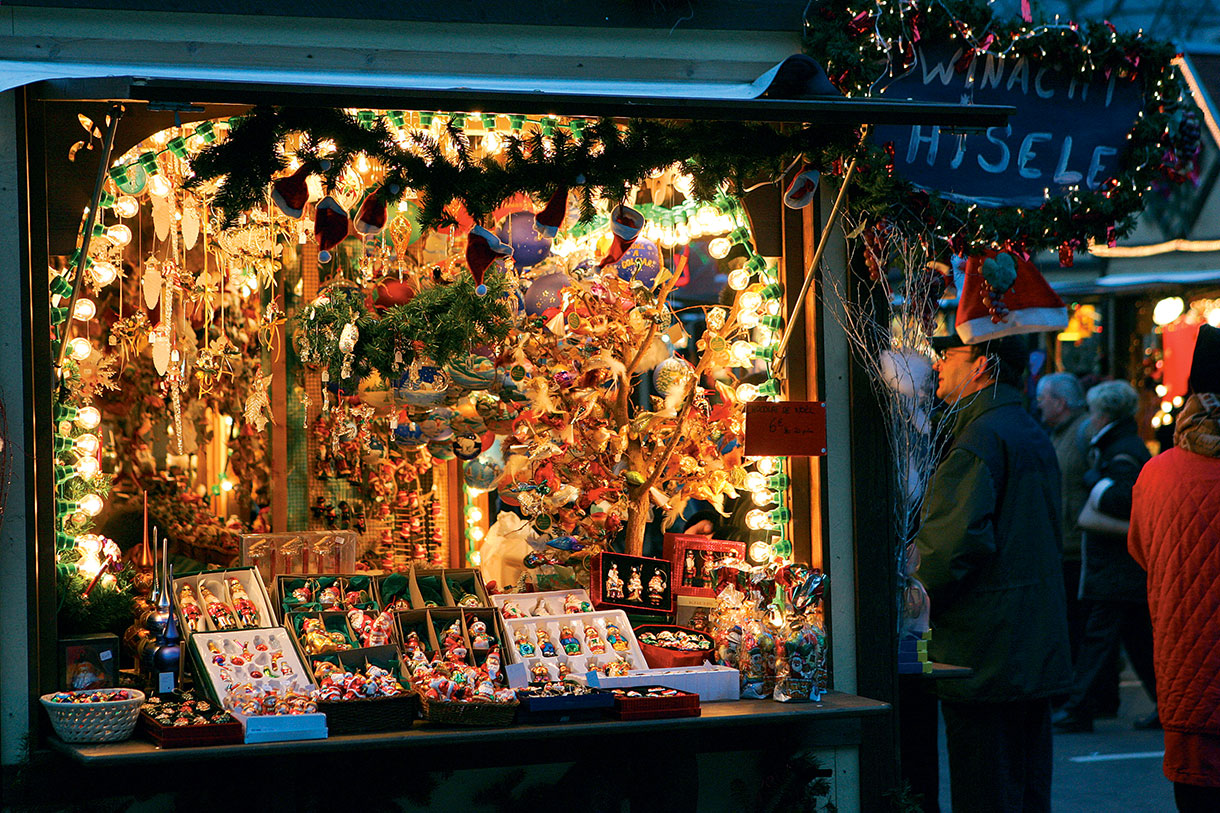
[{"x": 1175, "y": 536}]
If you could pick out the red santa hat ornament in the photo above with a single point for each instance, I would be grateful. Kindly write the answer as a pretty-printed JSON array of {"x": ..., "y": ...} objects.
[
  {"x": 1005, "y": 295},
  {"x": 626, "y": 224},
  {"x": 373, "y": 214},
  {"x": 291, "y": 193},
  {"x": 482, "y": 249},
  {"x": 800, "y": 192},
  {"x": 548, "y": 221},
  {"x": 330, "y": 226}
]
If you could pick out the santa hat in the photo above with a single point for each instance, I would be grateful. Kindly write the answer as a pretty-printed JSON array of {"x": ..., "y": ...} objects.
[
  {"x": 373, "y": 214},
  {"x": 1027, "y": 305},
  {"x": 548, "y": 221},
  {"x": 330, "y": 226},
  {"x": 291, "y": 193},
  {"x": 482, "y": 249},
  {"x": 626, "y": 224},
  {"x": 800, "y": 192}
]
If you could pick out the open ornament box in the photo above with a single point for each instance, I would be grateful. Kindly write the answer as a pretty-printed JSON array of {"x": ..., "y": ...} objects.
[
  {"x": 233, "y": 587},
  {"x": 431, "y": 626},
  {"x": 424, "y": 588}
]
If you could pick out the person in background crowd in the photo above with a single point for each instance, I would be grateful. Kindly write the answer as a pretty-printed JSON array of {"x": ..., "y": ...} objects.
[
  {"x": 1061, "y": 401},
  {"x": 1112, "y": 582},
  {"x": 990, "y": 559},
  {"x": 1175, "y": 536}
]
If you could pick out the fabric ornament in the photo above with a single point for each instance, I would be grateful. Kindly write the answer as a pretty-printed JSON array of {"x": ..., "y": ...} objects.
[
  {"x": 373, "y": 214},
  {"x": 482, "y": 249},
  {"x": 548, "y": 221},
  {"x": 626, "y": 224},
  {"x": 291, "y": 193},
  {"x": 985, "y": 310},
  {"x": 330, "y": 226},
  {"x": 800, "y": 192}
]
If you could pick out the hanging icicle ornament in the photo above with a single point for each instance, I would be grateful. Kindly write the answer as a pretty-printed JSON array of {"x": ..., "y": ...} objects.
[{"x": 347, "y": 346}]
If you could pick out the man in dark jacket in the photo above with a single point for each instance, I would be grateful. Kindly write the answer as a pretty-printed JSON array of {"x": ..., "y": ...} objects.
[
  {"x": 990, "y": 558},
  {"x": 1113, "y": 583}
]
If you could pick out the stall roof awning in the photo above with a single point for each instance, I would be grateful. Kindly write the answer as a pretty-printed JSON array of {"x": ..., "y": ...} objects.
[
  {"x": 709, "y": 100},
  {"x": 1136, "y": 283}
]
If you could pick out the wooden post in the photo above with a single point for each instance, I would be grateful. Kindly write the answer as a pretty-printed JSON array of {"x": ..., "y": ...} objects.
[{"x": 278, "y": 361}]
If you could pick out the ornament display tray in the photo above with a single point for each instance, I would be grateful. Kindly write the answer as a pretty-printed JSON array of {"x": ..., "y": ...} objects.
[
  {"x": 283, "y": 727},
  {"x": 428, "y": 588},
  {"x": 373, "y": 714},
  {"x": 431, "y": 624},
  {"x": 661, "y": 657},
  {"x": 248, "y": 577},
  {"x": 564, "y": 708},
  {"x": 694, "y": 559},
  {"x": 684, "y": 704},
  {"x": 540, "y": 605},
  {"x": 604, "y": 564},
  {"x": 208, "y": 673},
  {"x": 187, "y": 736},
  {"x": 711, "y": 683},
  {"x": 285, "y": 583},
  {"x": 518, "y": 666}
]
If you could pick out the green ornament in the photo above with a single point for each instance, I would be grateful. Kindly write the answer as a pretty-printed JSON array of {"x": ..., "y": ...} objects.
[
  {"x": 635, "y": 478},
  {"x": 1000, "y": 271}
]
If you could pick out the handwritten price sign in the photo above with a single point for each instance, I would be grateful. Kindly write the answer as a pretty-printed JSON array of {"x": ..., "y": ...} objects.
[{"x": 786, "y": 428}]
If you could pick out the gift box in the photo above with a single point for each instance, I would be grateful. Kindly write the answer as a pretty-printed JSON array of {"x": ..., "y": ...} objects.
[
  {"x": 663, "y": 657},
  {"x": 711, "y": 683},
  {"x": 241, "y": 601},
  {"x": 653, "y": 703},
  {"x": 577, "y": 644},
  {"x": 221, "y": 729},
  {"x": 636, "y": 583},
  {"x": 282, "y": 727},
  {"x": 300, "y": 552},
  {"x": 694, "y": 560}
]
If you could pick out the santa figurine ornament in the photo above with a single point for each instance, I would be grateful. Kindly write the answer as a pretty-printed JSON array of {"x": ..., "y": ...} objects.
[
  {"x": 482, "y": 249},
  {"x": 330, "y": 226},
  {"x": 626, "y": 224}
]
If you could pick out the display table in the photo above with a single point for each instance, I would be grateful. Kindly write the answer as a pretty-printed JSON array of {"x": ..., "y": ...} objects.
[{"x": 722, "y": 726}]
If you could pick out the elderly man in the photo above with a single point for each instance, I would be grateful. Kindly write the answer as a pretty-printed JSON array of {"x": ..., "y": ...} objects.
[{"x": 990, "y": 559}]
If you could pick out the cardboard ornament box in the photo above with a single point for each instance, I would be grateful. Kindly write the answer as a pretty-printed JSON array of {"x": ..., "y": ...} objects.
[
  {"x": 694, "y": 560},
  {"x": 306, "y": 592},
  {"x": 581, "y": 642},
  {"x": 240, "y": 590},
  {"x": 420, "y": 589},
  {"x": 711, "y": 683}
]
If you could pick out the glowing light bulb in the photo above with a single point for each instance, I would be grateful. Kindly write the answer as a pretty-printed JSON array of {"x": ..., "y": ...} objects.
[
  {"x": 767, "y": 465},
  {"x": 1167, "y": 420},
  {"x": 749, "y": 319},
  {"x": 739, "y": 279},
  {"x": 362, "y": 163},
  {"x": 491, "y": 143},
  {"x": 226, "y": 485},
  {"x": 87, "y": 467},
  {"x": 476, "y": 533},
  {"x": 126, "y": 206},
  {"x": 86, "y": 445},
  {"x": 682, "y": 235},
  {"x": 751, "y": 301},
  {"x": 719, "y": 248},
  {"x": 763, "y": 497},
  {"x": 89, "y": 417},
  {"x": 91, "y": 504},
  {"x": 159, "y": 186},
  {"x": 1156, "y": 421},
  {"x": 475, "y": 514},
  {"x": 746, "y": 392},
  {"x": 742, "y": 352},
  {"x": 1177, "y": 401},
  {"x": 80, "y": 348},
  {"x": 760, "y": 551},
  {"x": 118, "y": 234},
  {"x": 756, "y": 520},
  {"x": 476, "y": 558},
  {"x": 84, "y": 310},
  {"x": 1166, "y": 406},
  {"x": 103, "y": 273},
  {"x": 755, "y": 481}
]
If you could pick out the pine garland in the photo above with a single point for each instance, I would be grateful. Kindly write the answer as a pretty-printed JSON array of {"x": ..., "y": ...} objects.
[
  {"x": 851, "y": 45},
  {"x": 606, "y": 159}
]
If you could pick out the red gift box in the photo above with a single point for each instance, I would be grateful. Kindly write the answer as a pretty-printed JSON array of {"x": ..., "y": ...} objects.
[
  {"x": 692, "y": 574},
  {"x": 660, "y": 657},
  {"x": 674, "y": 703}
]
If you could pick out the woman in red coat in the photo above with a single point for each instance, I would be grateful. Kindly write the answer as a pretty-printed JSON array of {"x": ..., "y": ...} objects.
[{"x": 1175, "y": 536}]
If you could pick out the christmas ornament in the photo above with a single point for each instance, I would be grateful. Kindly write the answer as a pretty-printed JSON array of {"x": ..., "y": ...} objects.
[
  {"x": 330, "y": 226},
  {"x": 641, "y": 262},
  {"x": 548, "y": 221},
  {"x": 482, "y": 249},
  {"x": 804, "y": 186},
  {"x": 544, "y": 293},
  {"x": 290, "y": 194},
  {"x": 528, "y": 247},
  {"x": 373, "y": 214},
  {"x": 626, "y": 224},
  {"x": 1029, "y": 306}
]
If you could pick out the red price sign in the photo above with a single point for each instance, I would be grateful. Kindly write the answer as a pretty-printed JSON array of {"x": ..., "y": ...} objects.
[{"x": 785, "y": 428}]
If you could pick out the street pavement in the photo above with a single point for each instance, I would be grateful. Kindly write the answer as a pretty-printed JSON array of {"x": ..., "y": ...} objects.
[{"x": 1115, "y": 769}]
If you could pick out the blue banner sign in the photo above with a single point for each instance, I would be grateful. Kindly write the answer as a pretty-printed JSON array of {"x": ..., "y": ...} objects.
[{"x": 1065, "y": 133}]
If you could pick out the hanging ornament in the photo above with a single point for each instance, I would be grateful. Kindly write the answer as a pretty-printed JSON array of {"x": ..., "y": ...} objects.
[
  {"x": 151, "y": 284},
  {"x": 625, "y": 224},
  {"x": 544, "y": 293},
  {"x": 291, "y": 193},
  {"x": 528, "y": 247},
  {"x": 800, "y": 192},
  {"x": 641, "y": 262},
  {"x": 548, "y": 221},
  {"x": 330, "y": 226},
  {"x": 482, "y": 249},
  {"x": 163, "y": 215},
  {"x": 258, "y": 406},
  {"x": 190, "y": 223},
  {"x": 159, "y": 340},
  {"x": 373, "y": 214}
]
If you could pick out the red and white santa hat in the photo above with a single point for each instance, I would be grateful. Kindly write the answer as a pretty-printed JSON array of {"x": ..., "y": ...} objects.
[
  {"x": 625, "y": 224},
  {"x": 482, "y": 249},
  {"x": 1031, "y": 305},
  {"x": 548, "y": 221}
]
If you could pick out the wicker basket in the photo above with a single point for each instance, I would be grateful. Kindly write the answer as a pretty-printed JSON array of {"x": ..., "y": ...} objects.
[
  {"x": 105, "y": 721},
  {"x": 474, "y": 713},
  {"x": 370, "y": 715}
]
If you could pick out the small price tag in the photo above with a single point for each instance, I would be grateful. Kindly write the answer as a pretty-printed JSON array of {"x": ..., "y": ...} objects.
[
  {"x": 165, "y": 682},
  {"x": 106, "y": 655}
]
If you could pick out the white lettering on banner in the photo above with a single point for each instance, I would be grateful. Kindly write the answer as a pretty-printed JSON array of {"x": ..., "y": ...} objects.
[
  {"x": 993, "y": 72},
  {"x": 960, "y": 154},
  {"x": 917, "y": 138},
  {"x": 1002, "y": 164},
  {"x": 1096, "y": 168},
  {"x": 1020, "y": 74},
  {"x": 1041, "y": 91},
  {"x": 1026, "y": 154},
  {"x": 1084, "y": 90},
  {"x": 1062, "y": 176},
  {"x": 1110, "y": 90},
  {"x": 936, "y": 70}
]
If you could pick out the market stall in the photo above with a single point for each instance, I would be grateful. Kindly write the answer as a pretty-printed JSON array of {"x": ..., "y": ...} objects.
[{"x": 405, "y": 367}]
